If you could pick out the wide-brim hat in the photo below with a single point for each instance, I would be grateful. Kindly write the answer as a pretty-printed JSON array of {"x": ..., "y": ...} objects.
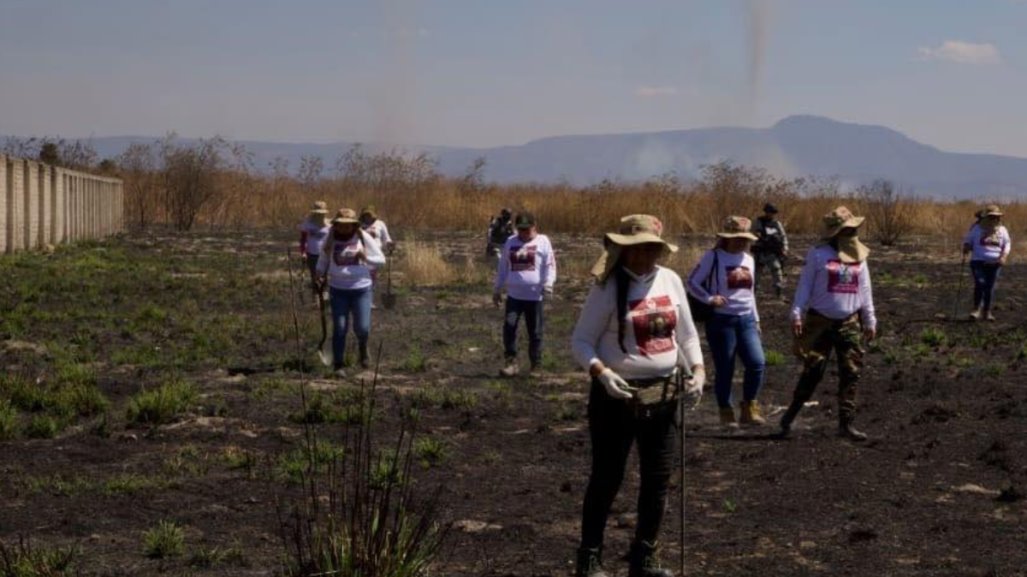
[
  {"x": 836, "y": 220},
  {"x": 370, "y": 211},
  {"x": 345, "y": 216},
  {"x": 992, "y": 210},
  {"x": 319, "y": 207},
  {"x": 633, "y": 230},
  {"x": 737, "y": 227}
]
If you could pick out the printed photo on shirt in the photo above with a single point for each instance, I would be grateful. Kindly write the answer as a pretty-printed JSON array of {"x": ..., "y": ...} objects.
[
  {"x": 523, "y": 258},
  {"x": 842, "y": 277},
  {"x": 345, "y": 253},
  {"x": 654, "y": 320},
  {"x": 992, "y": 239},
  {"x": 739, "y": 277}
]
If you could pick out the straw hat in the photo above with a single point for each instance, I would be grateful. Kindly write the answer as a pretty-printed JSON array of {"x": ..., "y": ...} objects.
[
  {"x": 345, "y": 216},
  {"x": 737, "y": 227},
  {"x": 633, "y": 229},
  {"x": 319, "y": 207},
  {"x": 838, "y": 219},
  {"x": 992, "y": 210}
]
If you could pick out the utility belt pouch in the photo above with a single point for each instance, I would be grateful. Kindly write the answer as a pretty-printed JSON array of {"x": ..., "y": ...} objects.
[{"x": 656, "y": 392}]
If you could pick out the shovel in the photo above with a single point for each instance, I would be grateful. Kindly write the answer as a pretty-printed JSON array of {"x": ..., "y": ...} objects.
[
  {"x": 389, "y": 298},
  {"x": 324, "y": 355}
]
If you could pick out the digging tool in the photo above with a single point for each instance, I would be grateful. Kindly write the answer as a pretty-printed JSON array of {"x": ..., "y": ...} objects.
[
  {"x": 389, "y": 298},
  {"x": 959, "y": 286},
  {"x": 325, "y": 356}
]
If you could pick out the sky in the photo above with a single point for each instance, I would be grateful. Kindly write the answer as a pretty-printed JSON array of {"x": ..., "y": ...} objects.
[{"x": 950, "y": 73}]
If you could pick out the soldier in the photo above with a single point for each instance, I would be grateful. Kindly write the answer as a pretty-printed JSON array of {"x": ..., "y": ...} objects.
[
  {"x": 834, "y": 294},
  {"x": 500, "y": 229},
  {"x": 771, "y": 247}
]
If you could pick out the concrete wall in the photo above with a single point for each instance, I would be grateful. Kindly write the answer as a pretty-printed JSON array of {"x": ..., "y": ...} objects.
[{"x": 43, "y": 205}]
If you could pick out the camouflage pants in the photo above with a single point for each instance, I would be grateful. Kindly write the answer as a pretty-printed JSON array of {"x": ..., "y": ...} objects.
[
  {"x": 774, "y": 263},
  {"x": 820, "y": 336}
]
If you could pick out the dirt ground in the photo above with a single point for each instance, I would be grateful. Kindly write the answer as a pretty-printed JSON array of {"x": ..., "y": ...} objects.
[{"x": 938, "y": 490}]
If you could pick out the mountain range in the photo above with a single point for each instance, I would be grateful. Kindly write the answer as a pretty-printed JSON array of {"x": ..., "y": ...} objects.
[{"x": 796, "y": 146}]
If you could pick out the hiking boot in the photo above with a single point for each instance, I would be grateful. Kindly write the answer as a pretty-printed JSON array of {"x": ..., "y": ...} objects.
[
  {"x": 590, "y": 563},
  {"x": 339, "y": 373},
  {"x": 846, "y": 430},
  {"x": 535, "y": 369},
  {"x": 510, "y": 369},
  {"x": 727, "y": 418},
  {"x": 751, "y": 414},
  {"x": 643, "y": 562},
  {"x": 976, "y": 315},
  {"x": 788, "y": 417},
  {"x": 365, "y": 360}
]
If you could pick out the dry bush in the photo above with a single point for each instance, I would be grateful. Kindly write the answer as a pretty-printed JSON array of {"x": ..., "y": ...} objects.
[{"x": 423, "y": 265}]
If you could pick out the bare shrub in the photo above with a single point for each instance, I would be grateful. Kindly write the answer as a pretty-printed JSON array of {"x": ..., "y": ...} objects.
[{"x": 889, "y": 215}]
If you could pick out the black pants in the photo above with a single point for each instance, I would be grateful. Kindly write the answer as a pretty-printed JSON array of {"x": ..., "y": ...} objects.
[{"x": 614, "y": 427}]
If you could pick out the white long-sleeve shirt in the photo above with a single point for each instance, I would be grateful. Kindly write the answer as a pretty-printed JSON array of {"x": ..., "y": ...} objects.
[
  {"x": 378, "y": 231},
  {"x": 734, "y": 281},
  {"x": 658, "y": 333},
  {"x": 988, "y": 247},
  {"x": 313, "y": 236},
  {"x": 345, "y": 271},
  {"x": 833, "y": 288},
  {"x": 526, "y": 268}
]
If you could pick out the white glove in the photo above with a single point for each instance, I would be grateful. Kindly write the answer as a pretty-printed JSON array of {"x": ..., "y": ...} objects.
[
  {"x": 693, "y": 387},
  {"x": 615, "y": 386},
  {"x": 547, "y": 291}
]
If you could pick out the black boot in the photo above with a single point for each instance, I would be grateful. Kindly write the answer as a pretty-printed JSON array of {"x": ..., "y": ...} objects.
[
  {"x": 789, "y": 416},
  {"x": 365, "y": 360},
  {"x": 846, "y": 430},
  {"x": 590, "y": 563},
  {"x": 642, "y": 561}
]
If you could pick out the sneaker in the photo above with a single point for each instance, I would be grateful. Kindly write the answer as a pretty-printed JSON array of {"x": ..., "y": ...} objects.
[
  {"x": 990, "y": 316},
  {"x": 510, "y": 369},
  {"x": 976, "y": 315},
  {"x": 339, "y": 373},
  {"x": 727, "y": 418},
  {"x": 751, "y": 414}
]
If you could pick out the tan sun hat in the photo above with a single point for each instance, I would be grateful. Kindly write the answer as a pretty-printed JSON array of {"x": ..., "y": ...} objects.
[
  {"x": 633, "y": 229},
  {"x": 319, "y": 207},
  {"x": 992, "y": 210},
  {"x": 737, "y": 227},
  {"x": 369, "y": 210},
  {"x": 838, "y": 219},
  {"x": 345, "y": 216}
]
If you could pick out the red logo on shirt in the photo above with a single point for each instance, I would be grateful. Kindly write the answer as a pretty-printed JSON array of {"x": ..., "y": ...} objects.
[
  {"x": 739, "y": 277},
  {"x": 523, "y": 258},
  {"x": 992, "y": 239},
  {"x": 843, "y": 277},
  {"x": 654, "y": 320}
]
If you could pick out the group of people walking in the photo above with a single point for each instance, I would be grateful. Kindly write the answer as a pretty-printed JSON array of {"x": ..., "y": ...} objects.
[{"x": 637, "y": 338}]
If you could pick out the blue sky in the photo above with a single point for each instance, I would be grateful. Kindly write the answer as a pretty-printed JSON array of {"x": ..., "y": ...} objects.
[{"x": 951, "y": 73}]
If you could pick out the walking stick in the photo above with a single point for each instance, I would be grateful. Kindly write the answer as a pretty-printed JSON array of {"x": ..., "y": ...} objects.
[
  {"x": 681, "y": 505},
  {"x": 959, "y": 286}
]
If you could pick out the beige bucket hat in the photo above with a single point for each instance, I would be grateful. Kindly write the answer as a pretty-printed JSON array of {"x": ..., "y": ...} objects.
[
  {"x": 345, "y": 216},
  {"x": 319, "y": 207},
  {"x": 992, "y": 210},
  {"x": 633, "y": 230},
  {"x": 737, "y": 227},
  {"x": 838, "y": 219}
]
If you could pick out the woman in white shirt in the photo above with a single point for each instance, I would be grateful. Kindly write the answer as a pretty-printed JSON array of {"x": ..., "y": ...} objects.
[
  {"x": 346, "y": 262},
  {"x": 988, "y": 243},
  {"x": 313, "y": 232},
  {"x": 724, "y": 279},
  {"x": 835, "y": 295},
  {"x": 636, "y": 338}
]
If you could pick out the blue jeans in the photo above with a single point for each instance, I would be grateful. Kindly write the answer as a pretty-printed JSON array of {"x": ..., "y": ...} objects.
[
  {"x": 985, "y": 277},
  {"x": 532, "y": 312},
  {"x": 357, "y": 303},
  {"x": 730, "y": 336}
]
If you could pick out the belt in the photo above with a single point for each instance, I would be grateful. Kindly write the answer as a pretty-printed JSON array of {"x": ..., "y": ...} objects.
[
  {"x": 650, "y": 381},
  {"x": 817, "y": 313}
]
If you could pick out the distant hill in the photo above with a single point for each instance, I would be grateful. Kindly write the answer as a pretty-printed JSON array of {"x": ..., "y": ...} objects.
[{"x": 795, "y": 146}]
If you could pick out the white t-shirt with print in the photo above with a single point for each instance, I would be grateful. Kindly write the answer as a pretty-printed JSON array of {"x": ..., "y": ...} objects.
[
  {"x": 733, "y": 281},
  {"x": 526, "y": 268},
  {"x": 345, "y": 271},
  {"x": 316, "y": 236},
  {"x": 988, "y": 247},
  {"x": 833, "y": 288},
  {"x": 659, "y": 333}
]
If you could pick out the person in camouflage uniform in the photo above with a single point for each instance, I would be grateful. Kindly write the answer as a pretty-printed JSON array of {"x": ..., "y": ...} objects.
[
  {"x": 835, "y": 294},
  {"x": 771, "y": 247}
]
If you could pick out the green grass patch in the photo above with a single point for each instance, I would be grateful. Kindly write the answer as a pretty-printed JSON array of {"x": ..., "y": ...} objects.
[
  {"x": 429, "y": 451},
  {"x": 933, "y": 337},
  {"x": 8, "y": 420},
  {"x": 24, "y": 560},
  {"x": 774, "y": 358},
  {"x": 164, "y": 540},
  {"x": 299, "y": 463},
  {"x": 163, "y": 404},
  {"x": 415, "y": 361}
]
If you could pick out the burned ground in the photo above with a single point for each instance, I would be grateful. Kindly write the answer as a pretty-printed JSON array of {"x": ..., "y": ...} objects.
[{"x": 938, "y": 490}]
